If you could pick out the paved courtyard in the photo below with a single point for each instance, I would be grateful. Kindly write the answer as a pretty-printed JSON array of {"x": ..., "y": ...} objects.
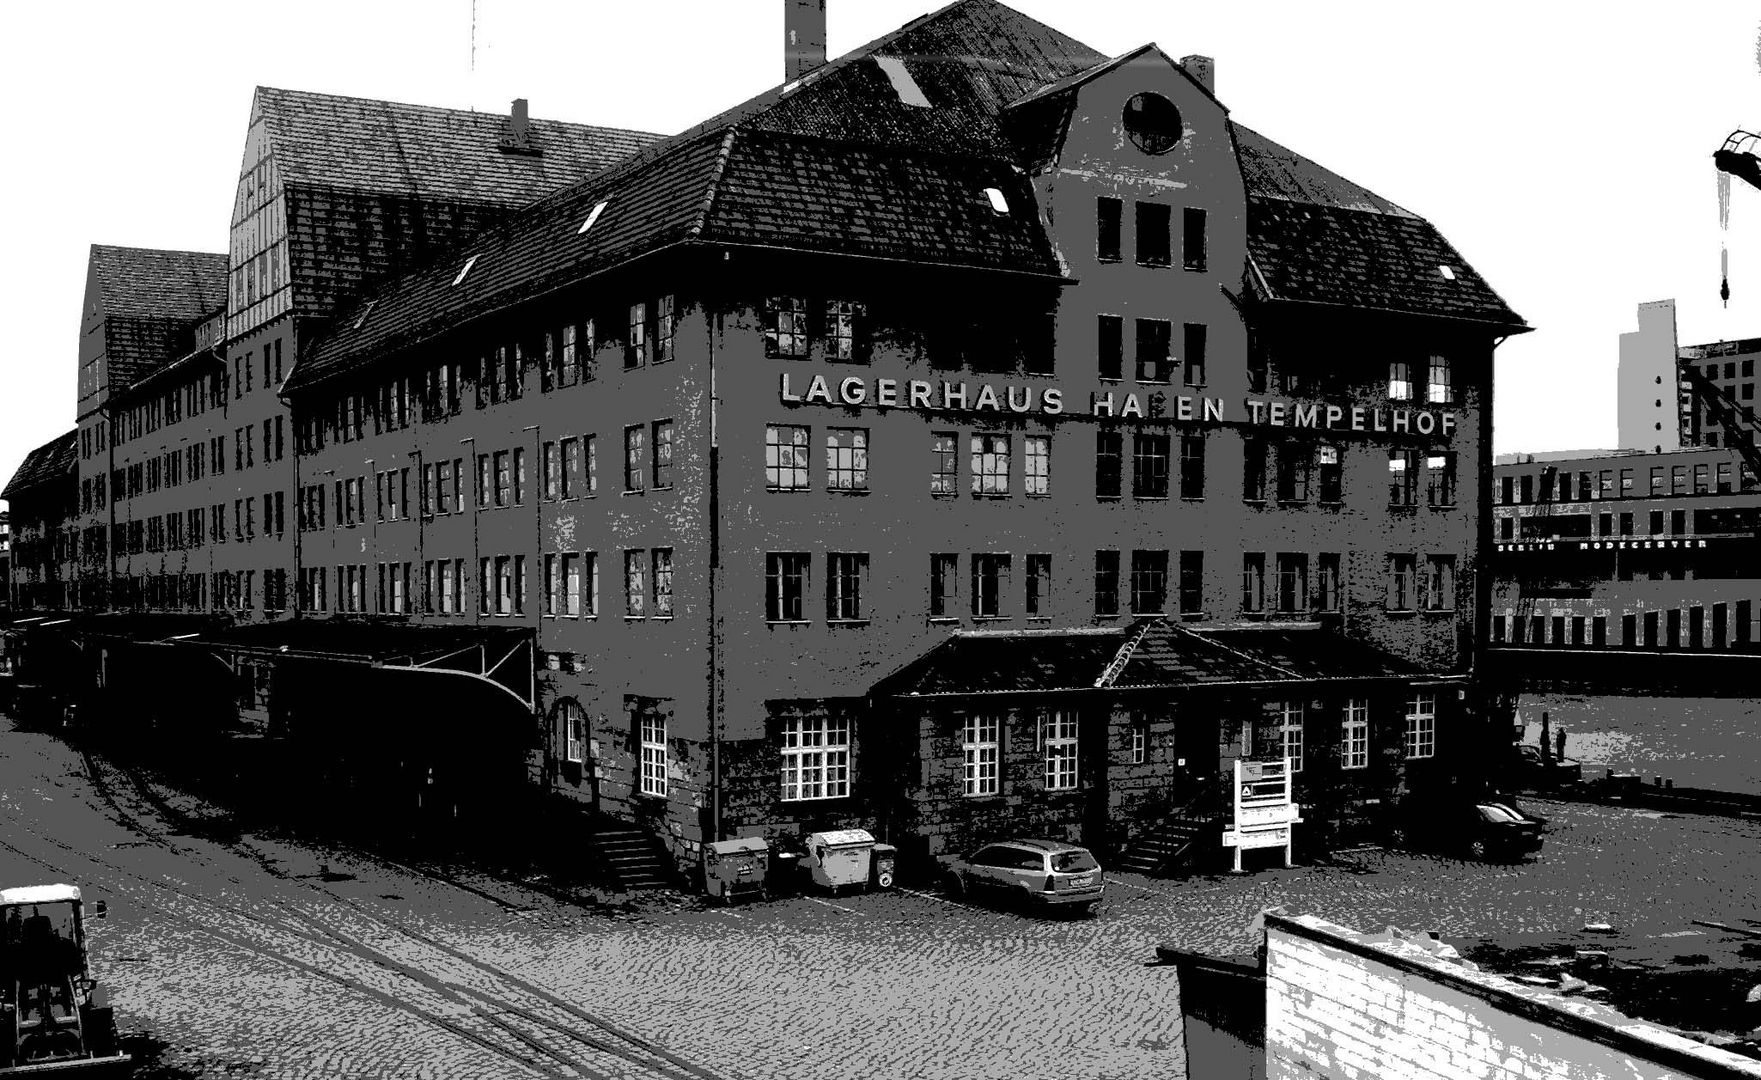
[{"x": 262, "y": 957}]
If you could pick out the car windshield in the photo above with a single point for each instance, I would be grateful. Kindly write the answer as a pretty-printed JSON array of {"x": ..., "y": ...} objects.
[
  {"x": 1071, "y": 862},
  {"x": 1495, "y": 812}
]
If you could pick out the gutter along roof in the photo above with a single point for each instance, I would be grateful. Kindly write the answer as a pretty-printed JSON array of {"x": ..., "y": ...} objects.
[{"x": 843, "y": 162}]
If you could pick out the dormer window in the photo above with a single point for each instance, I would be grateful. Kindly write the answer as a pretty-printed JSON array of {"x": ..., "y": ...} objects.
[{"x": 1152, "y": 123}]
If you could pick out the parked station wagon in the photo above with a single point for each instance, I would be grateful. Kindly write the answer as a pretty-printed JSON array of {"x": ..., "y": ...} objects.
[{"x": 1049, "y": 873}]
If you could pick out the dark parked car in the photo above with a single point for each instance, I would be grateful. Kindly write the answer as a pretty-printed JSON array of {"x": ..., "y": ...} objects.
[
  {"x": 1492, "y": 827},
  {"x": 1044, "y": 873},
  {"x": 1546, "y": 772}
]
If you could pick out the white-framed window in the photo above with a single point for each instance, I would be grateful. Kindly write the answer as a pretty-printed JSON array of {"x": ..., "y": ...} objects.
[
  {"x": 785, "y": 457},
  {"x": 990, "y": 464},
  {"x": 1438, "y": 390},
  {"x": 1399, "y": 380},
  {"x": 1139, "y": 742},
  {"x": 1421, "y": 726},
  {"x": 574, "y": 725},
  {"x": 1290, "y": 732},
  {"x": 980, "y": 743},
  {"x": 1037, "y": 450},
  {"x": 785, "y": 326},
  {"x": 816, "y": 758},
  {"x": 840, "y": 329},
  {"x": 1354, "y": 735},
  {"x": 1057, "y": 735},
  {"x": 654, "y": 755},
  {"x": 846, "y": 459},
  {"x": 944, "y": 473}
]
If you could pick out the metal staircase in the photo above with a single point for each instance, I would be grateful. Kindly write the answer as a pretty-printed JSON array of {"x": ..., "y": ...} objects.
[{"x": 1178, "y": 841}]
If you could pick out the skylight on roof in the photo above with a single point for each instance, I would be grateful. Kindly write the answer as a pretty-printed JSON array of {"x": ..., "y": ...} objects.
[
  {"x": 465, "y": 269},
  {"x": 998, "y": 203},
  {"x": 598, "y": 208},
  {"x": 903, "y": 84},
  {"x": 1448, "y": 272}
]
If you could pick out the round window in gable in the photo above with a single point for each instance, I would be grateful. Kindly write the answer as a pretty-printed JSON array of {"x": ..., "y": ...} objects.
[{"x": 1153, "y": 123}]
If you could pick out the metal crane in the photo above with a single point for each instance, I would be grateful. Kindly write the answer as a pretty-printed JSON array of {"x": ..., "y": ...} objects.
[{"x": 1740, "y": 156}]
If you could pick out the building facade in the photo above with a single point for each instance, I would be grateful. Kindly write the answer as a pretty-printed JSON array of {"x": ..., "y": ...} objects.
[{"x": 1016, "y": 346}]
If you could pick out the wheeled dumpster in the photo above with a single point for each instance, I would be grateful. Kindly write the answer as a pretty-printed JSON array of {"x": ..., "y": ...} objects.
[
  {"x": 733, "y": 868},
  {"x": 840, "y": 859}
]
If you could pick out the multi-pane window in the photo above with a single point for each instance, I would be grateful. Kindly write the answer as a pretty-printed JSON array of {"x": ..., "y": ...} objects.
[
  {"x": 785, "y": 457},
  {"x": 944, "y": 463},
  {"x": 846, "y": 459},
  {"x": 636, "y": 345},
  {"x": 1253, "y": 470},
  {"x": 504, "y": 478},
  {"x": 635, "y": 584},
  {"x": 1421, "y": 726},
  {"x": 1290, "y": 732},
  {"x": 785, "y": 327},
  {"x": 785, "y": 586},
  {"x": 990, "y": 464},
  {"x": 551, "y": 464},
  {"x": 1438, "y": 390},
  {"x": 662, "y": 567},
  {"x": 1108, "y": 217},
  {"x": 1039, "y": 585},
  {"x": 663, "y": 453},
  {"x": 1293, "y": 589},
  {"x": 980, "y": 745},
  {"x": 1399, "y": 380},
  {"x": 1327, "y": 582},
  {"x": 840, "y": 330},
  {"x": 1149, "y": 582},
  {"x": 1154, "y": 340},
  {"x": 1354, "y": 734},
  {"x": 1154, "y": 241},
  {"x": 1036, "y": 451},
  {"x": 1109, "y": 462},
  {"x": 816, "y": 758},
  {"x": 635, "y": 454},
  {"x": 652, "y": 733},
  {"x": 944, "y": 584},
  {"x": 1192, "y": 466},
  {"x": 1403, "y": 477},
  {"x": 1110, "y": 346},
  {"x": 1192, "y": 238},
  {"x": 1253, "y": 581},
  {"x": 1196, "y": 333},
  {"x": 1149, "y": 464},
  {"x": 1192, "y": 582},
  {"x": 1439, "y": 583},
  {"x": 1057, "y": 735},
  {"x": 573, "y": 722},
  {"x": 1106, "y": 583},
  {"x": 1293, "y": 473},
  {"x": 665, "y": 329},
  {"x": 990, "y": 580},
  {"x": 1402, "y": 569},
  {"x": 1332, "y": 473},
  {"x": 846, "y": 575},
  {"x": 1440, "y": 471}
]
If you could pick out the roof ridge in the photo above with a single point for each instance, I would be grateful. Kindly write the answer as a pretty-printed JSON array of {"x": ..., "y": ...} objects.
[
  {"x": 446, "y": 109},
  {"x": 1110, "y": 674},
  {"x": 1237, "y": 652},
  {"x": 157, "y": 251},
  {"x": 695, "y": 229}
]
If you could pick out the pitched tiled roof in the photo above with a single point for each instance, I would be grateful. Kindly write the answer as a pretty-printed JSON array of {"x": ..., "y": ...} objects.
[
  {"x": 152, "y": 301},
  {"x": 418, "y": 151},
  {"x": 838, "y": 162},
  {"x": 55, "y": 459},
  {"x": 1152, "y": 654}
]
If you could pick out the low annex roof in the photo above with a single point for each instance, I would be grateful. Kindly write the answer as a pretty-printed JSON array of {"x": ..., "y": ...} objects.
[
  {"x": 54, "y": 460},
  {"x": 365, "y": 642},
  {"x": 1151, "y": 654}
]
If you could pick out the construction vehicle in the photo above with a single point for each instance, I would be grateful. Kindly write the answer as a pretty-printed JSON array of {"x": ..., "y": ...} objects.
[{"x": 56, "y": 1017}]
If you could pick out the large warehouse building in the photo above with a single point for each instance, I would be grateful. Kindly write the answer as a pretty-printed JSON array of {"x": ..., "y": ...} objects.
[{"x": 938, "y": 443}]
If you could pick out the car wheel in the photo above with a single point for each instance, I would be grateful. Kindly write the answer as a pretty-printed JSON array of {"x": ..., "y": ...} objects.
[
  {"x": 1477, "y": 849},
  {"x": 1088, "y": 909}
]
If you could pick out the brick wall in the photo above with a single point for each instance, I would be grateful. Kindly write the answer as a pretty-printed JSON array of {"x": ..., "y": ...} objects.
[{"x": 1337, "y": 1006}]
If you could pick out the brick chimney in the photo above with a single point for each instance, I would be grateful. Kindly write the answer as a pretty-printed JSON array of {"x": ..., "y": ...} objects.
[
  {"x": 803, "y": 37},
  {"x": 1203, "y": 69},
  {"x": 516, "y": 134}
]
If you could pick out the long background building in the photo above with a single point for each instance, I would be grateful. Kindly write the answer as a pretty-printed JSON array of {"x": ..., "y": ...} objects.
[{"x": 974, "y": 339}]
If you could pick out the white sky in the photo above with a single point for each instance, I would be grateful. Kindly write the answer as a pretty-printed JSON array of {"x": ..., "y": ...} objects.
[{"x": 1564, "y": 148}]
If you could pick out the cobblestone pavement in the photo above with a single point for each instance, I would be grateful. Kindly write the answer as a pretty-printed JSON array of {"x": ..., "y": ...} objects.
[{"x": 251, "y": 956}]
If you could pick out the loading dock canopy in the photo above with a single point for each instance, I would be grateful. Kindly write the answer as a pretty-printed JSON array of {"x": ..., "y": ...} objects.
[{"x": 1151, "y": 654}]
